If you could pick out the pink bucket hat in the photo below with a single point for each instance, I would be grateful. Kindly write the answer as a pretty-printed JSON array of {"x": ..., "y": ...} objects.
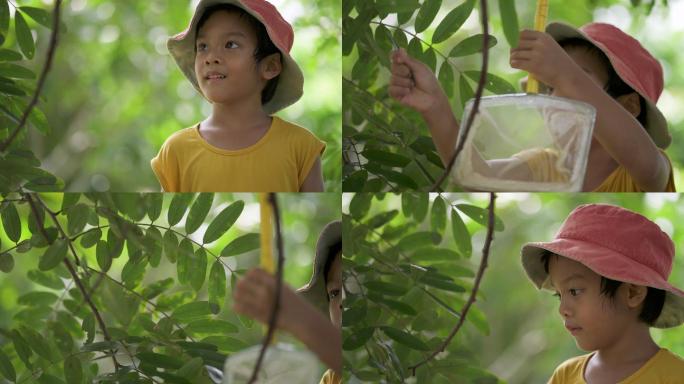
[
  {"x": 615, "y": 243},
  {"x": 632, "y": 62},
  {"x": 291, "y": 80},
  {"x": 315, "y": 291}
]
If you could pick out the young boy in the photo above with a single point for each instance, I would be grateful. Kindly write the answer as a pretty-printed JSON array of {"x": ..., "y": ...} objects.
[
  {"x": 303, "y": 315},
  {"x": 597, "y": 64},
  {"x": 236, "y": 54},
  {"x": 609, "y": 268}
]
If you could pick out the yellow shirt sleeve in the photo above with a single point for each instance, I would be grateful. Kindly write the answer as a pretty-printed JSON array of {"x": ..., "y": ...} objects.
[
  {"x": 307, "y": 148},
  {"x": 165, "y": 164}
]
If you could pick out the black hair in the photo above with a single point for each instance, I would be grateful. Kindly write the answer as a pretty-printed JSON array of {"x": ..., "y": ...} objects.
[
  {"x": 653, "y": 303},
  {"x": 332, "y": 252},
  {"x": 615, "y": 86},
  {"x": 265, "y": 46}
]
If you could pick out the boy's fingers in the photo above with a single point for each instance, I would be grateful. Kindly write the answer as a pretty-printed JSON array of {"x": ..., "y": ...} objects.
[
  {"x": 401, "y": 81},
  {"x": 400, "y": 70},
  {"x": 528, "y": 34},
  {"x": 398, "y": 92}
]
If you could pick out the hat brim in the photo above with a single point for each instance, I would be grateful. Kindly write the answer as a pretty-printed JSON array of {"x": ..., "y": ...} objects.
[
  {"x": 608, "y": 263},
  {"x": 314, "y": 291},
  {"x": 182, "y": 49},
  {"x": 656, "y": 124}
]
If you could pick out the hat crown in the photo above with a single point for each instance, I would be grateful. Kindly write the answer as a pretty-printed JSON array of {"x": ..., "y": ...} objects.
[
  {"x": 632, "y": 62},
  {"x": 623, "y": 231},
  {"x": 279, "y": 30}
]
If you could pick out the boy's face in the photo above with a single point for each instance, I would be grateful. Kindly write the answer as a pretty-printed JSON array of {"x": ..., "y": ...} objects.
[
  {"x": 593, "y": 319},
  {"x": 225, "y": 66},
  {"x": 334, "y": 289}
]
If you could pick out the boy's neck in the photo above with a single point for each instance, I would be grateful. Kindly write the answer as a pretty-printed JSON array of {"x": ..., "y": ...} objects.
[
  {"x": 235, "y": 117},
  {"x": 635, "y": 345}
]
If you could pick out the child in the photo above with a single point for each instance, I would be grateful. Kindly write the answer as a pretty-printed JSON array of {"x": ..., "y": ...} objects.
[
  {"x": 597, "y": 64},
  {"x": 302, "y": 315},
  {"x": 609, "y": 268},
  {"x": 236, "y": 54}
]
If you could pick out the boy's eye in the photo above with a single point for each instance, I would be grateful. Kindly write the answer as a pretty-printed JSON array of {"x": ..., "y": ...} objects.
[
  {"x": 231, "y": 44},
  {"x": 201, "y": 46},
  {"x": 573, "y": 291},
  {"x": 333, "y": 294}
]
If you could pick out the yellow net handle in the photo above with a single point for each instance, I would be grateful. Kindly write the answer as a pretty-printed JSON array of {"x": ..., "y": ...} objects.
[
  {"x": 540, "y": 18},
  {"x": 266, "y": 236}
]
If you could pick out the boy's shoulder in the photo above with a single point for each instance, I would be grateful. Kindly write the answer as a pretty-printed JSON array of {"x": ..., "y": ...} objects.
[
  {"x": 672, "y": 361},
  {"x": 292, "y": 131},
  {"x": 571, "y": 370},
  {"x": 181, "y": 137}
]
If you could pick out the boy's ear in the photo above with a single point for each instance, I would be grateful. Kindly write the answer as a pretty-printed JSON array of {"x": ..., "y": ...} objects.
[
  {"x": 271, "y": 66},
  {"x": 631, "y": 102},
  {"x": 636, "y": 294}
]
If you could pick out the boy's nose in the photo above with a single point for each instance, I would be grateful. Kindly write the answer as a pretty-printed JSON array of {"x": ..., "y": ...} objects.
[{"x": 564, "y": 310}]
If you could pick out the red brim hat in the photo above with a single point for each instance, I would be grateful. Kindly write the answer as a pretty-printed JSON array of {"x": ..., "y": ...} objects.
[
  {"x": 291, "y": 80},
  {"x": 315, "y": 291},
  {"x": 615, "y": 243},
  {"x": 632, "y": 62}
]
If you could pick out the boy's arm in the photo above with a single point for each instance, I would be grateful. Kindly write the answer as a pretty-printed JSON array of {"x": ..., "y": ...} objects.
[
  {"x": 414, "y": 85},
  {"x": 616, "y": 129},
  {"x": 314, "y": 180},
  {"x": 254, "y": 295}
]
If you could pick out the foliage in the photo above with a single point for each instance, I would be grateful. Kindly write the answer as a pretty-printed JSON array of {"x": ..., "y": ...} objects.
[
  {"x": 19, "y": 166},
  {"x": 408, "y": 272},
  {"x": 129, "y": 287},
  {"x": 115, "y": 94},
  {"x": 387, "y": 147}
]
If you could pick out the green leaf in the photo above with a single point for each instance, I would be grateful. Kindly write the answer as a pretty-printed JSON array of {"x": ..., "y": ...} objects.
[
  {"x": 37, "y": 342},
  {"x": 355, "y": 181},
  {"x": 194, "y": 310},
  {"x": 104, "y": 258},
  {"x": 434, "y": 254},
  {"x": 405, "y": 338},
  {"x": 426, "y": 14},
  {"x": 6, "y": 262},
  {"x": 132, "y": 272},
  {"x": 438, "y": 283},
  {"x": 73, "y": 371},
  {"x": 386, "y": 158},
  {"x": 217, "y": 283},
  {"x": 11, "y": 221},
  {"x": 446, "y": 78},
  {"x": 37, "y": 298},
  {"x": 39, "y": 15},
  {"x": 226, "y": 343},
  {"x": 198, "y": 270},
  {"x": 478, "y": 319},
  {"x": 22, "y": 347},
  {"x": 53, "y": 255},
  {"x": 6, "y": 367},
  {"x": 223, "y": 221},
  {"x": 198, "y": 212},
  {"x": 4, "y": 18},
  {"x": 192, "y": 369},
  {"x": 480, "y": 215},
  {"x": 461, "y": 234},
  {"x": 242, "y": 244},
  {"x": 152, "y": 242},
  {"x": 453, "y": 21},
  {"x": 382, "y": 218},
  {"x": 160, "y": 361},
  {"x": 170, "y": 246},
  {"x": 211, "y": 326},
  {"x": 179, "y": 204},
  {"x": 395, "y": 6},
  {"x": 9, "y": 55},
  {"x": 509, "y": 19},
  {"x": 418, "y": 240},
  {"x": 359, "y": 205},
  {"x": 183, "y": 264},
  {"x": 24, "y": 36},
  {"x": 77, "y": 217},
  {"x": 69, "y": 200},
  {"x": 47, "y": 378},
  {"x": 355, "y": 314},
  {"x": 421, "y": 207},
  {"x": 45, "y": 279},
  {"x": 494, "y": 83},
  {"x": 357, "y": 338},
  {"x": 154, "y": 203},
  {"x": 91, "y": 238},
  {"x": 472, "y": 44},
  {"x": 385, "y": 288},
  {"x": 438, "y": 215},
  {"x": 398, "y": 306},
  {"x": 465, "y": 90}
]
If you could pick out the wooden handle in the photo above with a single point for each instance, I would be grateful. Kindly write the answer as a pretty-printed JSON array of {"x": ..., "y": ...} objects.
[{"x": 266, "y": 236}]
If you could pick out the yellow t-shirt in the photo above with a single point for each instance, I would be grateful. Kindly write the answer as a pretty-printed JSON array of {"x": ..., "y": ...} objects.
[
  {"x": 542, "y": 165},
  {"x": 279, "y": 162},
  {"x": 663, "y": 368},
  {"x": 330, "y": 377}
]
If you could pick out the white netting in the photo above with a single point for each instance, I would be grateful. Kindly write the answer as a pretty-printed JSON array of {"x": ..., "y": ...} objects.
[
  {"x": 282, "y": 364},
  {"x": 525, "y": 143}
]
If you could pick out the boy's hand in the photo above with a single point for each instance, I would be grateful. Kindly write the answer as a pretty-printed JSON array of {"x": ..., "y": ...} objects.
[
  {"x": 539, "y": 54},
  {"x": 254, "y": 294},
  {"x": 413, "y": 84}
]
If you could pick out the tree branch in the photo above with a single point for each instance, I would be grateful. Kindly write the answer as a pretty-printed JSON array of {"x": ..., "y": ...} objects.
[
  {"x": 41, "y": 80},
  {"x": 279, "y": 283},
  {"x": 473, "y": 293},
  {"x": 478, "y": 96}
]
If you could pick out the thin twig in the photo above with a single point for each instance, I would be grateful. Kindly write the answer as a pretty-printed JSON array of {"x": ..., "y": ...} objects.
[
  {"x": 473, "y": 293},
  {"x": 279, "y": 282},
  {"x": 478, "y": 96},
  {"x": 41, "y": 80},
  {"x": 70, "y": 268}
]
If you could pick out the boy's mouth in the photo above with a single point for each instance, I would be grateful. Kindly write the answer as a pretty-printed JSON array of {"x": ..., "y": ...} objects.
[
  {"x": 214, "y": 76},
  {"x": 573, "y": 329}
]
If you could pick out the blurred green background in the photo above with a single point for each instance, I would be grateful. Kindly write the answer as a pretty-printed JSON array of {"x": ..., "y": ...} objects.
[
  {"x": 661, "y": 32},
  {"x": 114, "y": 94}
]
